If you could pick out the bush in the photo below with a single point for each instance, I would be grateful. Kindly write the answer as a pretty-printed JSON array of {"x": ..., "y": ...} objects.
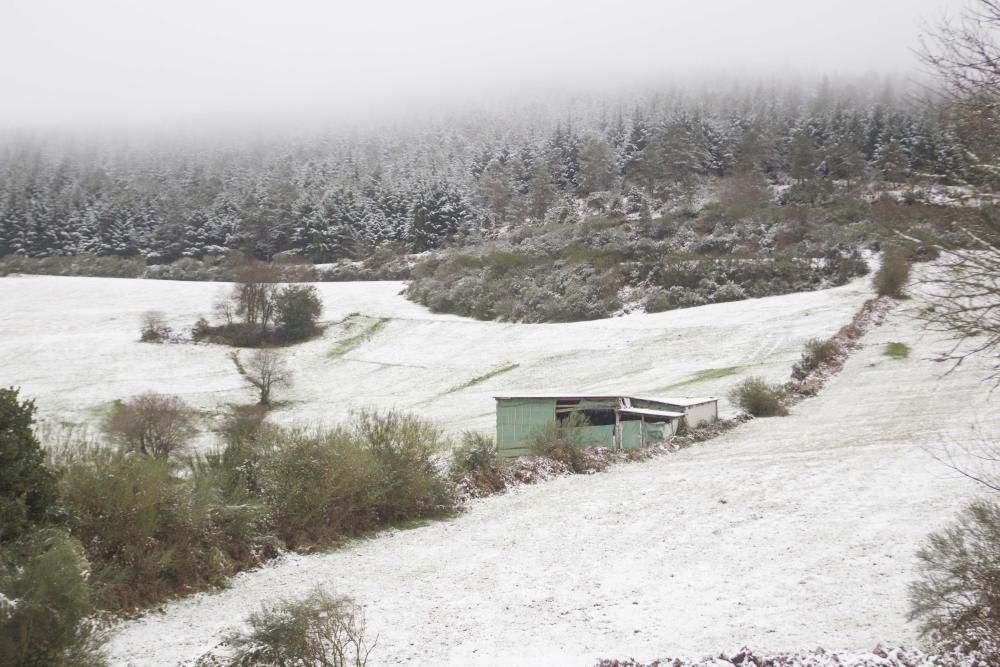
[
  {"x": 44, "y": 603},
  {"x": 957, "y": 595},
  {"x": 817, "y": 353},
  {"x": 321, "y": 630},
  {"x": 27, "y": 487},
  {"x": 757, "y": 397},
  {"x": 892, "y": 276},
  {"x": 147, "y": 533},
  {"x": 560, "y": 441},
  {"x": 475, "y": 466},
  {"x": 150, "y": 423},
  {"x": 477, "y": 452},
  {"x": 297, "y": 310},
  {"x": 154, "y": 327},
  {"x": 323, "y": 486}
]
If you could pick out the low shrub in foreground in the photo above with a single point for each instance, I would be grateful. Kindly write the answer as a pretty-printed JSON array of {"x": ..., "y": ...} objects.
[
  {"x": 148, "y": 532},
  {"x": 956, "y": 597},
  {"x": 817, "y": 352},
  {"x": 320, "y": 630},
  {"x": 45, "y": 602},
  {"x": 759, "y": 398}
]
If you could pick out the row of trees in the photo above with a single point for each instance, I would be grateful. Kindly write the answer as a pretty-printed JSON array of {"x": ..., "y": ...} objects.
[{"x": 341, "y": 196}]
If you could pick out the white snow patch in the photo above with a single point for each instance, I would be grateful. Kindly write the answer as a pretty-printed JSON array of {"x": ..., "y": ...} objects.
[
  {"x": 783, "y": 534},
  {"x": 72, "y": 343}
]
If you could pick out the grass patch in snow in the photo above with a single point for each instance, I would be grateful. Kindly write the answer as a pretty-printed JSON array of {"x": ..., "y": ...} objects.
[
  {"x": 703, "y": 376},
  {"x": 479, "y": 379},
  {"x": 897, "y": 350},
  {"x": 353, "y": 342}
]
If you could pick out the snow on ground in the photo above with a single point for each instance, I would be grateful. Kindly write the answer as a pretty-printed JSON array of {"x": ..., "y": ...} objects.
[
  {"x": 783, "y": 534},
  {"x": 73, "y": 344}
]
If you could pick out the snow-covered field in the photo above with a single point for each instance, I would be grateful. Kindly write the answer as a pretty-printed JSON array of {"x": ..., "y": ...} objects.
[
  {"x": 782, "y": 534},
  {"x": 73, "y": 344}
]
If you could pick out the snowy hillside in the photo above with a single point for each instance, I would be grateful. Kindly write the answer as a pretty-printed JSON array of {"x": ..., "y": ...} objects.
[
  {"x": 783, "y": 534},
  {"x": 72, "y": 343}
]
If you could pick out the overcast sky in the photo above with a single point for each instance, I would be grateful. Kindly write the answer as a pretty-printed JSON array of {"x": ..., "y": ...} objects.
[{"x": 140, "y": 61}]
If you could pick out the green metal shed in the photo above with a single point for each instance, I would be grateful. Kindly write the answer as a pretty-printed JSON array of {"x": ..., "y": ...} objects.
[{"x": 615, "y": 422}]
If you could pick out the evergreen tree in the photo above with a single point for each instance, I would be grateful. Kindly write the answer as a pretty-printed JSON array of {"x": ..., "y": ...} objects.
[{"x": 27, "y": 488}]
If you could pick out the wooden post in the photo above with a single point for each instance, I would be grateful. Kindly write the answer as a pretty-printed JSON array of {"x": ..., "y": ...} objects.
[{"x": 618, "y": 431}]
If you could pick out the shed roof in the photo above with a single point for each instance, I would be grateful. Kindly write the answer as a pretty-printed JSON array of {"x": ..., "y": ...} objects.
[
  {"x": 652, "y": 413},
  {"x": 675, "y": 400},
  {"x": 679, "y": 400},
  {"x": 591, "y": 397}
]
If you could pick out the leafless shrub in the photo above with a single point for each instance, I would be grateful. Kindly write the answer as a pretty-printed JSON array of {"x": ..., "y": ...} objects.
[
  {"x": 321, "y": 630},
  {"x": 154, "y": 327},
  {"x": 253, "y": 296},
  {"x": 964, "y": 296},
  {"x": 151, "y": 423},
  {"x": 264, "y": 371}
]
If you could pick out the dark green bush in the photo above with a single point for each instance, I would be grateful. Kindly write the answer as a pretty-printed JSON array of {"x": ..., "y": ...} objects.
[
  {"x": 956, "y": 597},
  {"x": 559, "y": 272},
  {"x": 27, "y": 487},
  {"x": 892, "y": 276},
  {"x": 759, "y": 398},
  {"x": 817, "y": 352},
  {"x": 297, "y": 309},
  {"x": 44, "y": 603},
  {"x": 320, "y": 630},
  {"x": 147, "y": 532}
]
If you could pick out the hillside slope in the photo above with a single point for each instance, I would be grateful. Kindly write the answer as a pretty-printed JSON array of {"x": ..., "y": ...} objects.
[
  {"x": 73, "y": 344},
  {"x": 783, "y": 534}
]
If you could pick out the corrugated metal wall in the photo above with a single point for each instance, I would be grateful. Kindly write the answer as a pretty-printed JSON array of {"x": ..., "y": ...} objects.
[{"x": 518, "y": 419}]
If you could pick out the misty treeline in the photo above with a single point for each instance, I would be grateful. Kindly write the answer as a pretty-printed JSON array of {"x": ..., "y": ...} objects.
[{"x": 336, "y": 196}]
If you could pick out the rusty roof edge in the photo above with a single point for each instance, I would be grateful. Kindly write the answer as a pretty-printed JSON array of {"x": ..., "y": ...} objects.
[{"x": 676, "y": 400}]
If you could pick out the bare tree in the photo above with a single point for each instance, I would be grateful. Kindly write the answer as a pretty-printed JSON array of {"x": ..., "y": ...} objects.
[
  {"x": 253, "y": 295},
  {"x": 965, "y": 294},
  {"x": 151, "y": 423},
  {"x": 264, "y": 371},
  {"x": 964, "y": 57},
  {"x": 965, "y": 303}
]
